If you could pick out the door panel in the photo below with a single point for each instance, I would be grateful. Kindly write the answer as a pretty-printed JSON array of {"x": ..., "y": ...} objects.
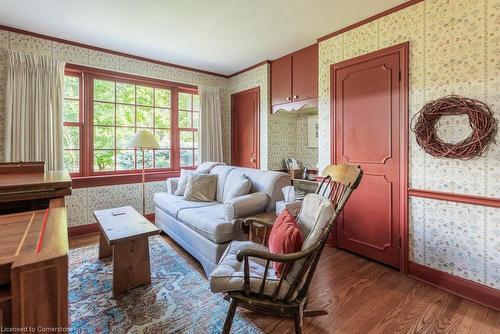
[
  {"x": 281, "y": 80},
  {"x": 366, "y": 102},
  {"x": 305, "y": 73},
  {"x": 245, "y": 129}
]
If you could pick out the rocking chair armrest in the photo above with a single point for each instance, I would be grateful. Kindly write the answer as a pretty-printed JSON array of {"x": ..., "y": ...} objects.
[{"x": 290, "y": 257}]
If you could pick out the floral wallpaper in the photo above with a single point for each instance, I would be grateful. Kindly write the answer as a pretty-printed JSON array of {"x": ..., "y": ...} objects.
[
  {"x": 306, "y": 155},
  {"x": 282, "y": 144},
  {"x": 454, "y": 48},
  {"x": 83, "y": 201},
  {"x": 460, "y": 239},
  {"x": 288, "y": 139}
]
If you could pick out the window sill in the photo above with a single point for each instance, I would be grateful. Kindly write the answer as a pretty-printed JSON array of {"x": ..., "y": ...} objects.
[{"x": 109, "y": 180}]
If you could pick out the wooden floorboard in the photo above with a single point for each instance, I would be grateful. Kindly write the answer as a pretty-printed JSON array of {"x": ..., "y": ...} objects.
[{"x": 363, "y": 296}]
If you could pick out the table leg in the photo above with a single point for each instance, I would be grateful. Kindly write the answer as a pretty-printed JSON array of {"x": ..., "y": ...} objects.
[
  {"x": 131, "y": 266},
  {"x": 105, "y": 250}
]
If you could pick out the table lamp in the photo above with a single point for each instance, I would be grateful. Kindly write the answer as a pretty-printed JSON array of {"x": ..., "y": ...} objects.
[{"x": 144, "y": 140}]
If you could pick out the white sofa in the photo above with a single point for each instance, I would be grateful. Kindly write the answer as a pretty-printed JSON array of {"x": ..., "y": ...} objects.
[{"x": 205, "y": 229}]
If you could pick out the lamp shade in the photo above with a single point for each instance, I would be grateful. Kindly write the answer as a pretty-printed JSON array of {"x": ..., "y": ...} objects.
[{"x": 143, "y": 139}]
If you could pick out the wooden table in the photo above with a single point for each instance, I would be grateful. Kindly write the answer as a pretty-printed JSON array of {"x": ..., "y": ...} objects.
[{"x": 124, "y": 235}]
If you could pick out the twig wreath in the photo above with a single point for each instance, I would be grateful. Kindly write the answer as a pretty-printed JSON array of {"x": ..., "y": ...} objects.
[{"x": 481, "y": 121}]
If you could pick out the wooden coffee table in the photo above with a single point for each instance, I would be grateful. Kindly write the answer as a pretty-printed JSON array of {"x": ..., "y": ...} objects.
[{"x": 124, "y": 235}]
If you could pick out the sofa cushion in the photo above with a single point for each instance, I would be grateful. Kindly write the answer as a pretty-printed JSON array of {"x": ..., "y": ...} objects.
[
  {"x": 171, "y": 204},
  {"x": 201, "y": 187},
  {"x": 209, "y": 222},
  {"x": 239, "y": 188},
  {"x": 229, "y": 273},
  {"x": 269, "y": 182},
  {"x": 222, "y": 173},
  {"x": 183, "y": 181}
]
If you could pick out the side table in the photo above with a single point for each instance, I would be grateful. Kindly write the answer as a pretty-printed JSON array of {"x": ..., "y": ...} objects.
[{"x": 259, "y": 226}]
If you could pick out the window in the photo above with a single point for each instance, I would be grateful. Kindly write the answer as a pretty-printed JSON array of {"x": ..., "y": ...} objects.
[
  {"x": 103, "y": 110},
  {"x": 119, "y": 109},
  {"x": 72, "y": 118},
  {"x": 189, "y": 120}
]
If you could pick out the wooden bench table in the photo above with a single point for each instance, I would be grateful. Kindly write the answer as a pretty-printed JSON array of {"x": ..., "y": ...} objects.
[{"x": 124, "y": 235}]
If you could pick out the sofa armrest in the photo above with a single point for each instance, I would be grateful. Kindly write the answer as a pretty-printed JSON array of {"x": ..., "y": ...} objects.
[
  {"x": 172, "y": 184},
  {"x": 245, "y": 205}
]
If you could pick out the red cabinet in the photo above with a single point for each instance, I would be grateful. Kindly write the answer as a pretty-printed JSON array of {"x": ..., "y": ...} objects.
[
  {"x": 281, "y": 80},
  {"x": 294, "y": 80},
  {"x": 305, "y": 73}
]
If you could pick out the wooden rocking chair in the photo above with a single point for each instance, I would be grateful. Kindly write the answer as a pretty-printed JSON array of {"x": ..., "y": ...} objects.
[{"x": 245, "y": 271}]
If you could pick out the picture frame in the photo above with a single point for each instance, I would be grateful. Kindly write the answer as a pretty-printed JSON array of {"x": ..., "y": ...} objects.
[{"x": 312, "y": 131}]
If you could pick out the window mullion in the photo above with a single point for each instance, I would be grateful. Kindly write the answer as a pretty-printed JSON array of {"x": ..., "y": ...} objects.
[
  {"x": 88, "y": 123},
  {"x": 175, "y": 139}
]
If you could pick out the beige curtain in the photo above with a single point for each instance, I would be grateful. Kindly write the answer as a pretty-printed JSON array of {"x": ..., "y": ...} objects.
[
  {"x": 34, "y": 110},
  {"x": 210, "y": 125}
]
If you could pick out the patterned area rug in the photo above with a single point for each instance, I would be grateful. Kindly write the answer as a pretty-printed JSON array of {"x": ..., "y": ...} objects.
[{"x": 177, "y": 301}]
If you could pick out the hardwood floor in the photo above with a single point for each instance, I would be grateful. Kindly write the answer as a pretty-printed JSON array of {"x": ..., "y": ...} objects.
[{"x": 363, "y": 296}]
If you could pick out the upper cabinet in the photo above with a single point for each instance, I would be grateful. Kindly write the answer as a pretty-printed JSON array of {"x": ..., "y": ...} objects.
[
  {"x": 305, "y": 73},
  {"x": 294, "y": 80},
  {"x": 281, "y": 80}
]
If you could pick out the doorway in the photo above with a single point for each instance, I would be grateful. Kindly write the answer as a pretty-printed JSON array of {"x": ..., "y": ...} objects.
[
  {"x": 370, "y": 128},
  {"x": 245, "y": 129}
]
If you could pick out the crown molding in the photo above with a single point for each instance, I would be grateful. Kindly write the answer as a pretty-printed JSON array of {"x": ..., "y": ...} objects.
[
  {"x": 118, "y": 53},
  {"x": 370, "y": 19}
]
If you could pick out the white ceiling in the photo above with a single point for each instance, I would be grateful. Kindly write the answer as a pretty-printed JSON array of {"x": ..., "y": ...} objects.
[{"x": 222, "y": 36}]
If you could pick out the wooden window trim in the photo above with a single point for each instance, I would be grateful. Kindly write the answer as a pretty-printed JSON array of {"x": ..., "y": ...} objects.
[
  {"x": 78, "y": 124},
  {"x": 191, "y": 129},
  {"x": 87, "y": 177}
]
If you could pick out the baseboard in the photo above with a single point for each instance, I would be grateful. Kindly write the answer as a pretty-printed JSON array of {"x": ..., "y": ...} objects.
[
  {"x": 75, "y": 231},
  {"x": 464, "y": 288}
]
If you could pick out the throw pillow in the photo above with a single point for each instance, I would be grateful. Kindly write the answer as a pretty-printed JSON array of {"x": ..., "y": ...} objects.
[
  {"x": 239, "y": 188},
  {"x": 285, "y": 238},
  {"x": 201, "y": 187},
  {"x": 183, "y": 181}
]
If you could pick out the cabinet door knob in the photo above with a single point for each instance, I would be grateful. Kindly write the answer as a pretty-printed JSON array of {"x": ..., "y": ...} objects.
[
  {"x": 252, "y": 159},
  {"x": 295, "y": 97},
  {"x": 288, "y": 98}
]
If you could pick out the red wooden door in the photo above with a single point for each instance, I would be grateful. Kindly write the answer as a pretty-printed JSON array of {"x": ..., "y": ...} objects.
[
  {"x": 367, "y": 113},
  {"x": 245, "y": 128},
  {"x": 305, "y": 73},
  {"x": 281, "y": 80}
]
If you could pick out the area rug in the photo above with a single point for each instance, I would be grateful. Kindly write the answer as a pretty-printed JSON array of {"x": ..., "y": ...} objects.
[{"x": 177, "y": 301}]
